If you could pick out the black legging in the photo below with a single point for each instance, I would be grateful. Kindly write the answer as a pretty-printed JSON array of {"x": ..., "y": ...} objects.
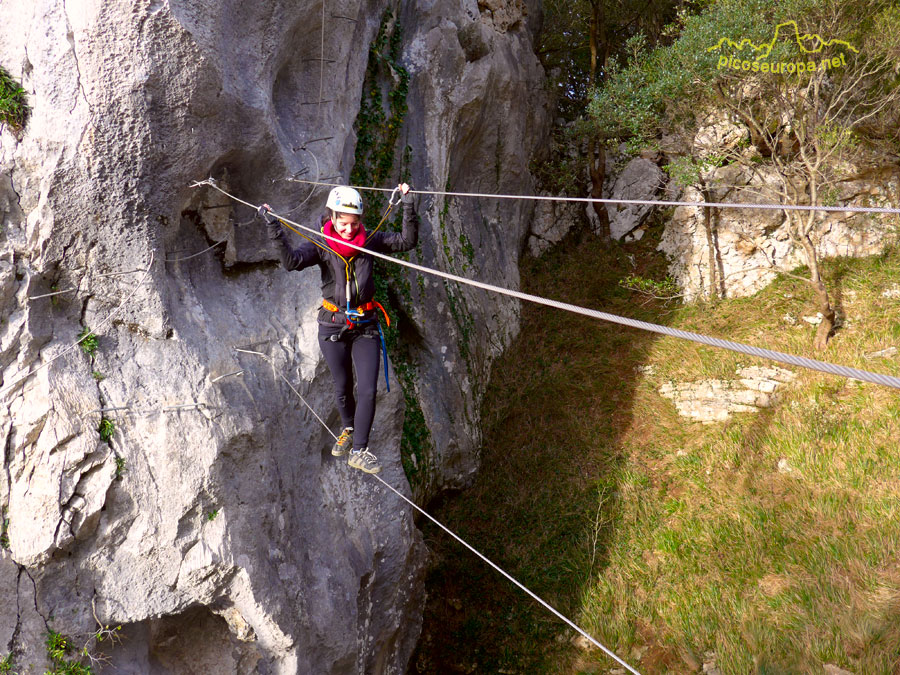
[{"x": 363, "y": 350}]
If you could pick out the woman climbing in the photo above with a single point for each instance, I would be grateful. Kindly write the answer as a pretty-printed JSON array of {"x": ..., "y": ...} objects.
[{"x": 349, "y": 333}]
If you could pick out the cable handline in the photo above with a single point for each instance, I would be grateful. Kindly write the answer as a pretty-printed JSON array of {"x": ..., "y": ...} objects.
[
  {"x": 197, "y": 255},
  {"x": 638, "y": 202},
  {"x": 455, "y": 536},
  {"x": 772, "y": 355}
]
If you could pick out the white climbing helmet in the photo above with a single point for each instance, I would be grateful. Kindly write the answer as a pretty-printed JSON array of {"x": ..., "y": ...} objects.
[{"x": 345, "y": 200}]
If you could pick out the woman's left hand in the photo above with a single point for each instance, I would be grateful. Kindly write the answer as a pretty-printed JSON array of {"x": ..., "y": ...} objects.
[{"x": 404, "y": 188}]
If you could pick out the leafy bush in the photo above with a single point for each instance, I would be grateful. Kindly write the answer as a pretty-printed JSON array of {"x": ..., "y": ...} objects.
[
  {"x": 666, "y": 289},
  {"x": 88, "y": 341},
  {"x": 14, "y": 109},
  {"x": 670, "y": 84},
  {"x": 58, "y": 648},
  {"x": 4, "y": 535},
  {"x": 107, "y": 428}
]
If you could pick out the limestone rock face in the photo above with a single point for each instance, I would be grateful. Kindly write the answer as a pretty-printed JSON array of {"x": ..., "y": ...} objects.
[
  {"x": 551, "y": 222},
  {"x": 480, "y": 113},
  {"x": 635, "y": 178},
  {"x": 640, "y": 180},
  {"x": 214, "y": 526},
  {"x": 748, "y": 245}
]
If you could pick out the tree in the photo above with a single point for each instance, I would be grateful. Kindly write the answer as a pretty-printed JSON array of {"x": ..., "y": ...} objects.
[
  {"x": 578, "y": 39},
  {"x": 810, "y": 128}
]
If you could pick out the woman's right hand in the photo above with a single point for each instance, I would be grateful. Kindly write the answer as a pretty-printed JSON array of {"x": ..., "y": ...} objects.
[{"x": 263, "y": 210}]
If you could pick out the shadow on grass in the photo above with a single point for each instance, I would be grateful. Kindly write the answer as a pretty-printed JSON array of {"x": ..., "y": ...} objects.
[{"x": 545, "y": 502}]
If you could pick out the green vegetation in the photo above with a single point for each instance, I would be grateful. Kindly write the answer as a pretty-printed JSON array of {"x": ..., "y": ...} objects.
[
  {"x": 7, "y": 665},
  {"x": 211, "y": 516},
  {"x": 579, "y": 47},
  {"x": 58, "y": 648},
  {"x": 377, "y": 130},
  {"x": 648, "y": 89},
  {"x": 666, "y": 289},
  {"x": 98, "y": 376},
  {"x": 580, "y": 37},
  {"x": 415, "y": 441},
  {"x": 381, "y": 116},
  {"x": 88, "y": 341},
  {"x": 106, "y": 428},
  {"x": 4, "y": 531},
  {"x": 14, "y": 108},
  {"x": 686, "y": 170},
  {"x": 120, "y": 466},
  {"x": 769, "y": 539}
]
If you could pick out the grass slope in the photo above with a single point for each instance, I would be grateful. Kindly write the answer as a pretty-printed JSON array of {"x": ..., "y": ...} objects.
[{"x": 668, "y": 539}]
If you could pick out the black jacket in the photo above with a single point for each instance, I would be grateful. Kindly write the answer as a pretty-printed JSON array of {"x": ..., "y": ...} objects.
[{"x": 331, "y": 266}]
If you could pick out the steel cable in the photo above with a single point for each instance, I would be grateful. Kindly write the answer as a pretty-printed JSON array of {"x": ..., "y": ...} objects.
[
  {"x": 772, "y": 355},
  {"x": 639, "y": 202}
]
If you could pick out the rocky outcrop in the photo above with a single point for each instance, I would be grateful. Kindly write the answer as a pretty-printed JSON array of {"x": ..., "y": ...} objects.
[
  {"x": 639, "y": 180},
  {"x": 751, "y": 246},
  {"x": 473, "y": 81},
  {"x": 627, "y": 178},
  {"x": 551, "y": 222},
  {"x": 213, "y": 525},
  {"x": 716, "y": 400},
  {"x": 737, "y": 252}
]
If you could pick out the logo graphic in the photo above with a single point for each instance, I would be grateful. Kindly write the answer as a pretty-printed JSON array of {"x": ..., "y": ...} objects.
[{"x": 758, "y": 61}]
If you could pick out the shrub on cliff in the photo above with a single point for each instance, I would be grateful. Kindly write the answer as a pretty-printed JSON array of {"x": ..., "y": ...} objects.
[{"x": 14, "y": 108}]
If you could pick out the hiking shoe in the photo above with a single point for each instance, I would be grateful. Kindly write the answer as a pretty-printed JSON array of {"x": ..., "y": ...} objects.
[
  {"x": 364, "y": 461},
  {"x": 343, "y": 442}
]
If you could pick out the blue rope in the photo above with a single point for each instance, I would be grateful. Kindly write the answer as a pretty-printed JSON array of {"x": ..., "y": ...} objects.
[{"x": 384, "y": 355}]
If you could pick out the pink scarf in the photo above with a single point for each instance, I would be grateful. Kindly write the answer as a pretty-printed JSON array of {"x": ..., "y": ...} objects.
[{"x": 340, "y": 248}]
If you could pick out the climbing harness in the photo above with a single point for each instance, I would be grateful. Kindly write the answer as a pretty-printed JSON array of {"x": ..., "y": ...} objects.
[
  {"x": 355, "y": 319},
  {"x": 347, "y": 200},
  {"x": 356, "y": 316}
]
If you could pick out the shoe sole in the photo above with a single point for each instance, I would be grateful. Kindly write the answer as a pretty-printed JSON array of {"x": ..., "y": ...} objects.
[
  {"x": 338, "y": 453},
  {"x": 364, "y": 469}
]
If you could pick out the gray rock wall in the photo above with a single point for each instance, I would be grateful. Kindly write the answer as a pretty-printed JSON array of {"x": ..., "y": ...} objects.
[
  {"x": 215, "y": 527},
  {"x": 749, "y": 246},
  {"x": 479, "y": 107}
]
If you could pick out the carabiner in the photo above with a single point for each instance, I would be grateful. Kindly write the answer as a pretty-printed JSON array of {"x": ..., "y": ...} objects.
[{"x": 391, "y": 200}]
